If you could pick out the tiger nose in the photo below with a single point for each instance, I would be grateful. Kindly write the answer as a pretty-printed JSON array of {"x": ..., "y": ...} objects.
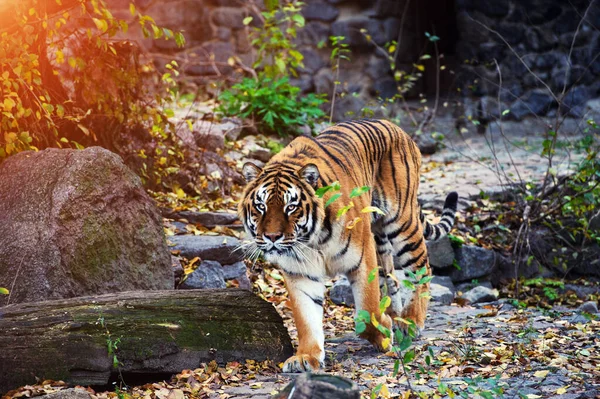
[{"x": 273, "y": 236}]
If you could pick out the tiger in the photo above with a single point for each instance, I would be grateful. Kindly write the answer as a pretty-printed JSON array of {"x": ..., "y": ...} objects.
[{"x": 293, "y": 228}]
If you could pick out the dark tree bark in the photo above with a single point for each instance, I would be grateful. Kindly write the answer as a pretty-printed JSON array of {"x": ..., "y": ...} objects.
[{"x": 158, "y": 331}]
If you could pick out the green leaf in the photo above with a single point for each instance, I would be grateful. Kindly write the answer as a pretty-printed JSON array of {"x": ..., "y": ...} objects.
[
  {"x": 333, "y": 198},
  {"x": 298, "y": 19},
  {"x": 247, "y": 20},
  {"x": 408, "y": 284},
  {"x": 372, "y": 275},
  {"x": 385, "y": 302},
  {"x": 344, "y": 210},
  {"x": 4, "y": 291},
  {"x": 357, "y": 191},
  {"x": 409, "y": 356},
  {"x": 363, "y": 315},
  {"x": 361, "y": 326},
  {"x": 396, "y": 367},
  {"x": 405, "y": 343}
]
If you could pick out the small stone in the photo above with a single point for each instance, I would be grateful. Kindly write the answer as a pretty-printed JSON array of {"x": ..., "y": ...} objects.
[
  {"x": 464, "y": 287},
  {"x": 589, "y": 307},
  {"x": 233, "y": 271},
  {"x": 480, "y": 294},
  {"x": 217, "y": 248},
  {"x": 177, "y": 268},
  {"x": 474, "y": 262},
  {"x": 341, "y": 292},
  {"x": 441, "y": 253},
  {"x": 441, "y": 294},
  {"x": 209, "y": 274},
  {"x": 320, "y": 11},
  {"x": 230, "y": 17},
  {"x": 71, "y": 393},
  {"x": 444, "y": 281}
]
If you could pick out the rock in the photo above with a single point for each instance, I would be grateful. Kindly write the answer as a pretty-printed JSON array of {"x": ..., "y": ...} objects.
[
  {"x": 474, "y": 262},
  {"x": 348, "y": 107},
  {"x": 209, "y": 274},
  {"x": 230, "y": 17},
  {"x": 480, "y": 294},
  {"x": 177, "y": 268},
  {"x": 177, "y": 16},
  {"x": 209, "y": 135},
  {"x": 206, "y": 219},
  {"x": 313, "y": 32},
  {"x": 444, "y": 281},
  {"x": 536, "y": 103},
  {"x": 385, "y": 87},
  {"x": 466, "y": 286},
  {"x": 69, "y": 393},
  {"x": 312, "y": 61},
  {"x": 575, "y": 100},
  {"x": 581, "y": 291},
  {"x": 217, "y": 248},
  {"x": 441, "y": 294},
  {"x": 540, "y": 39},
  {"x": 77, "y": 222},
  {"x": 341, "y": 292},
  {"x": 324, "y": 81},
  {"x": 589, "y": 307},
  {"x": 238, "y": 272},
  {"x": 210, "y": 59},
  {"x": 304, "y": 83},
  {"x": 351, "y": 28},
  {"x": 320, "y": 11},
  {"x": 440, "y": 252}
]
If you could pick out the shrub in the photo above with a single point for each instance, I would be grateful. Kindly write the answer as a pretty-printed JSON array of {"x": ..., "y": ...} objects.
[
  {"x": 66, "y": 80},
  {"x": 275, "y": 105}
]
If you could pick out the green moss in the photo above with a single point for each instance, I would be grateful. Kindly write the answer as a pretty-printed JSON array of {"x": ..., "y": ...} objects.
[{"x": 97, "y": 248}]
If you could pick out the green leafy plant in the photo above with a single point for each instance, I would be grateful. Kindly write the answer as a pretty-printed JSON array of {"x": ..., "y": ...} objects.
[
  {"x": 274, "y": 105},
  {"x": 340, "y": 51},
  {"x": 277, "y": 55},
  {"x": 4, "y": 291}
]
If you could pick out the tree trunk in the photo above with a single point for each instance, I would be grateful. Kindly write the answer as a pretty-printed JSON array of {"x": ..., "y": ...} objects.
[{"x": 154, "y": 331}]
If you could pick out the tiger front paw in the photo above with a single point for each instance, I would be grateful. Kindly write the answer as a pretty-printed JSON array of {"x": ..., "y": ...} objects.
[
  {"x": 377, "y": 338},
  {"x": 301, "y": 363}
]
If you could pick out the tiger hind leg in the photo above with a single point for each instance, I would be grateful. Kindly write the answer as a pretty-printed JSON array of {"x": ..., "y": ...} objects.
[{"x": 408, "y": 305}]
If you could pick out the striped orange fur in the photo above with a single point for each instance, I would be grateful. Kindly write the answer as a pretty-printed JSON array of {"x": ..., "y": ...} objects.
[{"x": 292, "y": 227}]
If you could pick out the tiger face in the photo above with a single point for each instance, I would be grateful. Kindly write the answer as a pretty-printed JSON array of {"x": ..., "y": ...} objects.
[{"x": 280, "y": 211}]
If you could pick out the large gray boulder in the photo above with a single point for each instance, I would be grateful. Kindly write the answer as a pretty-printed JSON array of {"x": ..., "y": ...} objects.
[{"x": 76, "y": 223}]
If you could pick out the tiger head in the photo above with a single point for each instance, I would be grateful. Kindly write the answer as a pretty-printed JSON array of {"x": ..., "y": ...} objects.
[{"x": 280, "y": 210}]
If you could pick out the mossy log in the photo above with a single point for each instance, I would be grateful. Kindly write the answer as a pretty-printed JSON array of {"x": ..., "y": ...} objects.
[{"x": 157, "y": 332}]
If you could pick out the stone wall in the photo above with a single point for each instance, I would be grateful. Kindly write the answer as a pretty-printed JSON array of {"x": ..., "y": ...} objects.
[
  {"x": 473, "y": 33},
  {"x": 543, "y": 33}
]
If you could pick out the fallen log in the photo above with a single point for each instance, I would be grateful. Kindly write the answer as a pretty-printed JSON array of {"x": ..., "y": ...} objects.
[{"x": 154, "y": 332}]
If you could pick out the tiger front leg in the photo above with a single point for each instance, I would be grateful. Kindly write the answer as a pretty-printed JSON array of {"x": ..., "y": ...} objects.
[
  {"x": 367, "y": 297},
  {"x": 306, "y": 298}
]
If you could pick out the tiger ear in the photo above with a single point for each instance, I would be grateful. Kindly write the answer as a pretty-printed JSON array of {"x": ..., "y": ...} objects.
[
  {"x": 250, "y": 171},
  {"x": 310, "y": 173}
]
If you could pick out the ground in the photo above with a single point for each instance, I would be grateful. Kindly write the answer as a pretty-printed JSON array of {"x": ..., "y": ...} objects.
[{"x": 491, "y": 350}]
